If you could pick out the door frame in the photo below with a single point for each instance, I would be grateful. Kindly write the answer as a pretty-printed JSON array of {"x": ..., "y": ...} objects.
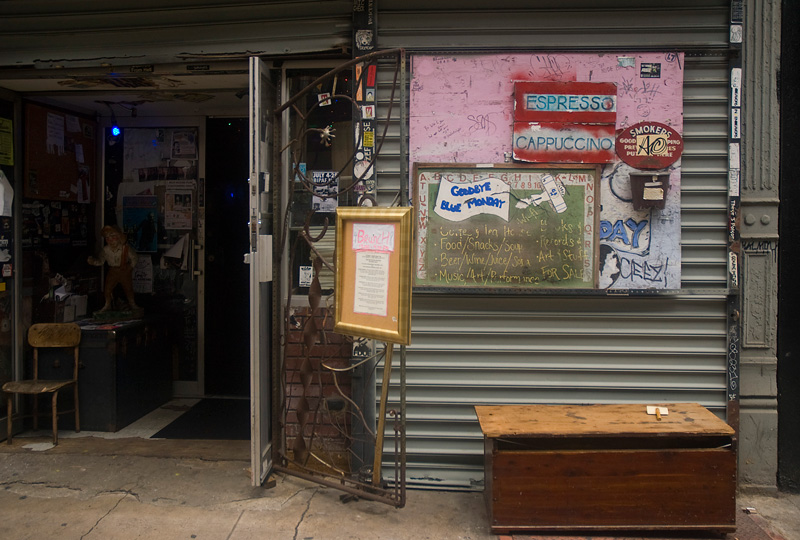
[
  {"x": 18, "y": 332},
  {"x": 259, "y": 257},
  {"x": 194, "y": 389}
]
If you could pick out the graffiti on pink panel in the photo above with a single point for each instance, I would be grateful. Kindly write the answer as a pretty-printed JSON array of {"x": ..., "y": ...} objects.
[{"x": 462, "y": 111}]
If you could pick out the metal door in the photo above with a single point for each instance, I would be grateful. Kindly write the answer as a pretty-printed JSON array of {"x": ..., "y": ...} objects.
[{"x": 260, "y": 260}]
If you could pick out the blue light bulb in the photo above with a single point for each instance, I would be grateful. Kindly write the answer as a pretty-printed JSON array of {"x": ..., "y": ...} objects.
[{"x": 115, "y": 131}]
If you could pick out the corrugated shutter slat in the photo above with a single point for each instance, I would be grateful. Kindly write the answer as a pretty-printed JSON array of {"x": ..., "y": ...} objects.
[{"x": 482, "y": 349}]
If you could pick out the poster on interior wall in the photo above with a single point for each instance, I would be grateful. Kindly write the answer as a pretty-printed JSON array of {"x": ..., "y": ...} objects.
[
  {"x": 462, "y": 110},
  {"x": 6, "y": 141},
  {"x": 84, "y": 181},
  {"x": 140, "y": 222},
  {"x": 178, "y": 210},
  {"x": 184, "y": 144},
  {"x": 151, "y": 154},
  {"x": 58, "y": 161},
  {"x": 143, "y": 276},
  {"x": 6, "y": 244},
  {"x": 55, "y": 134}
]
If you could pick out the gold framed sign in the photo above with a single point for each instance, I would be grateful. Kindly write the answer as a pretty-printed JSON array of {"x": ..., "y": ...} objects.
[{"x": 373, "y": 273}]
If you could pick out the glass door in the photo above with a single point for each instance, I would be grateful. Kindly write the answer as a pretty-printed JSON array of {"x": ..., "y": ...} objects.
[{"x": 155, "y": 193}]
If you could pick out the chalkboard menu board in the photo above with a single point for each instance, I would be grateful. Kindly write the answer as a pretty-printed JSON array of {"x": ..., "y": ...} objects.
[{"x": 520, "y": 227}]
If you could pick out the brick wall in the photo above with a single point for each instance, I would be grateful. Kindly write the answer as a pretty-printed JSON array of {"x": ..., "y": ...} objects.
[{"x": 326, "y": 421}]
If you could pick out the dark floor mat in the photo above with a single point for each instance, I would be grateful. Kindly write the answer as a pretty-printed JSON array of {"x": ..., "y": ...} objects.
[{"x": 212, "y": 418}]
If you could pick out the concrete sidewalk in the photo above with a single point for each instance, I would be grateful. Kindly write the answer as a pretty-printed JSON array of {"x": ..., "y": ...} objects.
[{"x": 93, "y": 488}]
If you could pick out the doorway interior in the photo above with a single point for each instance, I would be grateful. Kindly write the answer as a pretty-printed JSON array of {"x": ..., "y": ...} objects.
[
  {"x": 214, "y": 102},
  {"x": 227, "y": 346}
]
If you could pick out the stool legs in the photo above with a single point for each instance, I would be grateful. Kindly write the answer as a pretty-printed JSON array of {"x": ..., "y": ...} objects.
[
  {"x": 54, "y": 413},
  {"x": 55, "y": 418},
  {"x": 10, "y": 423},
  {"x": 77, "y": 411},
  {"x": 35, "y": 412}
]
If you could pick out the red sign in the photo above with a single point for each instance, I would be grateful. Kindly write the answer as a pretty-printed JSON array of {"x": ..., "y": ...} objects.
[
  {"x": 649, "y": 145},
  {"x": 565, "y": 102},
  {"x": 557, "y": 142}
]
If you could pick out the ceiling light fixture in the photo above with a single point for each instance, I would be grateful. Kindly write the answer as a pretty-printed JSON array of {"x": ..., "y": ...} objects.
[{"x": 115, "y": 130}]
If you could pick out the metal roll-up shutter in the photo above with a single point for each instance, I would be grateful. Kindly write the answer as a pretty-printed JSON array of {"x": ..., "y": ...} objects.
[
  {"x": 500, "y": 349},
  {"x": 85, "y": 32},
  {"x": 704, "y": 166},
  {"x": 553, "y": 24}
]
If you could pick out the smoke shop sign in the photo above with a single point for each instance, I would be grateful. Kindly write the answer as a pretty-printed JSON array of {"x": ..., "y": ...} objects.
[{"x": 649, "y": 145}]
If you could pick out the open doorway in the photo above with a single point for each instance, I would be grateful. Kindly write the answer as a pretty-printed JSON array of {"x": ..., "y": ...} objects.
[
  {"x": 211, "y": 106},
  {"x": 227, "y": 349}
]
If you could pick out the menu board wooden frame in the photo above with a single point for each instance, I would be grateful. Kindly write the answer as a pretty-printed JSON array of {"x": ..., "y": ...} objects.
[
  {"x": 539, "y": 244},
  {"x": 373, "y": 273}
]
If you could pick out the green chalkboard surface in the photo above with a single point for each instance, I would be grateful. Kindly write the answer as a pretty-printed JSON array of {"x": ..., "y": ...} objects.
[{"x": 490, "y": 226}]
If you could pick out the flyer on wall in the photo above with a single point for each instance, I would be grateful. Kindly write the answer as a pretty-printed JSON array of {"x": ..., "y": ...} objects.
[{"x": 178, "y": 210}]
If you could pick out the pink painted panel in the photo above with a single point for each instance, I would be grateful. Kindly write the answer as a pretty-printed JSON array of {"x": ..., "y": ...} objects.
[
  {"x": 462, "y": 107},
  {"x": 462, "y": 111}
]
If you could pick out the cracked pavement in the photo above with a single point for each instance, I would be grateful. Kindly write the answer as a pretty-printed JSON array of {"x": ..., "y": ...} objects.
[
  {"x": 97, "y": 489},
  {"x": 111, "y": 489}
]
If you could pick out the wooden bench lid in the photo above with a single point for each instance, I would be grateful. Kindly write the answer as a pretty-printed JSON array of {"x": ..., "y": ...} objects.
[{"x": 630, "y": 420}]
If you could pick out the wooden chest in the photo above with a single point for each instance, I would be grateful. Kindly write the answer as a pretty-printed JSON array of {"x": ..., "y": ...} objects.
[{"x": 608, "y": 467}]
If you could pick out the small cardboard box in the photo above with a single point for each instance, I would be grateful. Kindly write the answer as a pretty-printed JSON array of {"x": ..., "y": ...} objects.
[{"x": 78, "y": 303}]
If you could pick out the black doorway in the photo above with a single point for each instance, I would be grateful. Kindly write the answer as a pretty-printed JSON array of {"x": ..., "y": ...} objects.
[
  {"x": 227, "y": 295},
  {"x": 789, "y": 258}
]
